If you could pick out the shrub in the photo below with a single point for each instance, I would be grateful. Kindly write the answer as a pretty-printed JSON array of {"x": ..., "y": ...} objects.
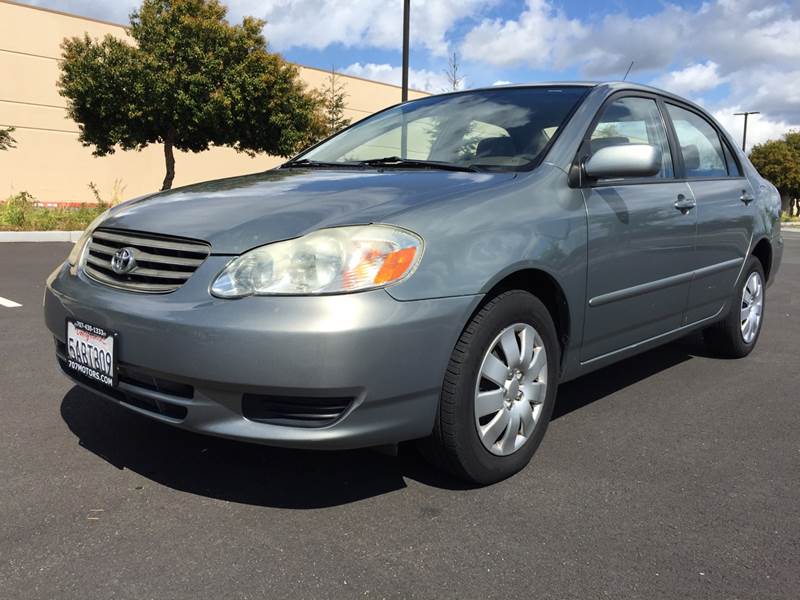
[
  {"x": 19, "y": 213},
  {"x": 16, "y": 209}
]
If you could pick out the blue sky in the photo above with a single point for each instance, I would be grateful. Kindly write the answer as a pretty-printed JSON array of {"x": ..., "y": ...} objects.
[{"x": 728, "y": 55}]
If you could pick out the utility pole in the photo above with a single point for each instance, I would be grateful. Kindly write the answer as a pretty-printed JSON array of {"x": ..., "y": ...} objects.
[
  {"x": 406, "y": 18},
  {"x": 744, "y": 134}
]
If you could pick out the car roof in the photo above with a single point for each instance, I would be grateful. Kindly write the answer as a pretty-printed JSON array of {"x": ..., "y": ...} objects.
[
  {"x": 612, "y": 86},
  {"x": 609, "y": 86}
]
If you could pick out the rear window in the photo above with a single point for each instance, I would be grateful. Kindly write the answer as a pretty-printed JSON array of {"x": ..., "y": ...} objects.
[
  {"x": 733, "y": 165},
  {"x": 699, "y": 142}
]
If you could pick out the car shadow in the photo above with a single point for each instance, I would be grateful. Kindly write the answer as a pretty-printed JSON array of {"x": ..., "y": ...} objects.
[
  {"x": 238, "y": 471},
  {"x": 299, "y": 479},
  {"x": 608, "y": 380}
]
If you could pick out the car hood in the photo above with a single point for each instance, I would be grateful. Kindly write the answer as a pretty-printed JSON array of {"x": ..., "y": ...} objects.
[{"x": 240, "y": 213}]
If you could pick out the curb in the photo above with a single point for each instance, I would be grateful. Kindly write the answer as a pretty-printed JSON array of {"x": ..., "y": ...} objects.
[{"x": 40, "y": 236}]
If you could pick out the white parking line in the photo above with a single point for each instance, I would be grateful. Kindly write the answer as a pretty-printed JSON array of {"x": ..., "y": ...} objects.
[{"x": 9, "y": 303}]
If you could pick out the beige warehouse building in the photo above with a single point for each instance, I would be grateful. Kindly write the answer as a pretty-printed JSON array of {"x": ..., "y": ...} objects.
[{"x": 49, "y": 161}]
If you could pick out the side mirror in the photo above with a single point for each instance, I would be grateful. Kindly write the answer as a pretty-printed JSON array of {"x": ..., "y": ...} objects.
[{"x": 625, "y": 160}]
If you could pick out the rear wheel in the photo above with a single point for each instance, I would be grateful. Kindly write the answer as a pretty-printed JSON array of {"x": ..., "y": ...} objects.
[
  {"x": 737, "y": 334},
  {"x": 498, "y": 392}
]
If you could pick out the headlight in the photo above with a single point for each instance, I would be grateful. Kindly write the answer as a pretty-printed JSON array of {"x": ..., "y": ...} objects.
[
  {"x": 328, "y": 261},
  {"x": 77, "y": 250}
]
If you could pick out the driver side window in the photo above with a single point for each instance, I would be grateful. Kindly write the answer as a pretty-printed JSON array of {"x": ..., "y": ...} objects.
[{"x": 633, "y": 121}]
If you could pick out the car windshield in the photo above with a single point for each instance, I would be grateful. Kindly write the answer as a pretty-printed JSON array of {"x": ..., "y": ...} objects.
[{"x": 496, "y": 129}]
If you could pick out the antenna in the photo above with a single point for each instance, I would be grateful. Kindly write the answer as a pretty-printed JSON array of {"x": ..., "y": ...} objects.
[{"x": 630, "y": 66}]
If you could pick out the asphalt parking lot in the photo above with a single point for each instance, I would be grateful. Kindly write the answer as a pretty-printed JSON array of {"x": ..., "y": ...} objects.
[{"x": 670, "y": 475}]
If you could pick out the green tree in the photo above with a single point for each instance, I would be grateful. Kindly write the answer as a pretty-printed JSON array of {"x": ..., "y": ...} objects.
[
  {"x": 779, "y": 161},
  {"x": 191, "y": 80},
  {"x": 6, "y": 141},
  {"x": 334, "y": 101}
]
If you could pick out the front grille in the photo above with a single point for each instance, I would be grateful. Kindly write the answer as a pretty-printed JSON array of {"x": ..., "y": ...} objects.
[
  {"x": 162, "y": 264},
  {"x": 142, "y": 379},
  {"x": 293, "y": 411},
  {"x": 133, "y": 377}
]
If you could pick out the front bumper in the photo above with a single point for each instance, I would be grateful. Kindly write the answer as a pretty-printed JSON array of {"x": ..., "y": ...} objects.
[{"x": 387, "y": 357}]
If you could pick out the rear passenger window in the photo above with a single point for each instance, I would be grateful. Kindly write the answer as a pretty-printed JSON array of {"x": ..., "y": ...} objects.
[
  {"x": 733, "y": 167},
  {"x": 633, "y": 121},
  {"x": 700, "y": 144}
]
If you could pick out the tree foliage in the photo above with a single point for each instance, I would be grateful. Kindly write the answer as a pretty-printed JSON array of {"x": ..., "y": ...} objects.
[
  {"x": 779, "y": 161},
  {"x": 334, "y": 101},
  {"x": 191, "y": 80},
  {"x": 6, "y": 141}
]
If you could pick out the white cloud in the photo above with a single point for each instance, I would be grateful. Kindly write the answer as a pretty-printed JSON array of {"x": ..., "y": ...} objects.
[
  {"x": 501, "y": 82},
  {"x": 116, "y": 11},
  {"x": 537, "y": 38},
  {"x": 692, "y": 79},
  {"x": 358, "y": 23},
  {"x": 759, "y": 128},
  {"x": 731, "y": 33},
  {"x": 734, "y": 34},
  {"x": 773, "y": 91},
  {"x": 420, "y": 79},
  {"x": 318, "y": 24},
  {"x": 749, "y": 45}
]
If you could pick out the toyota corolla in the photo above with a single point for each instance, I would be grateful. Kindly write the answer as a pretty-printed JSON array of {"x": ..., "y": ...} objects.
[{"x": 431, "y": 273}]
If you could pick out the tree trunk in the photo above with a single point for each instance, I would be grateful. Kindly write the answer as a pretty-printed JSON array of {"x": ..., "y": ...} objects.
[
  {"x": 169, "y": 158},
  {"x": 786, "y": 203}
]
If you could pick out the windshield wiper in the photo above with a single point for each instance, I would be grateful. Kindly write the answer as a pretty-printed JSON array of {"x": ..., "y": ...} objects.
[
  {"x": 306, "y": 162},
  {"x": 410, "y": 163}
]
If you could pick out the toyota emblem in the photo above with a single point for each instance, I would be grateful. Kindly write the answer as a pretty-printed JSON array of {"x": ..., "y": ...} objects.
[{"x": 123, "y": 261}]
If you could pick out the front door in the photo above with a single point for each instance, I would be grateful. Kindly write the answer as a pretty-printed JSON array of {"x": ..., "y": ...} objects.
[
  {"x": 641, "y": 238},
  {"x": 724, "y": 211}
]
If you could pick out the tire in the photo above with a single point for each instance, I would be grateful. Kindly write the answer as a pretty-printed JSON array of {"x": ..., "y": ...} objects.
[
  {"x": 456, "y": 444},
  {"x": 730, "y": 338}
]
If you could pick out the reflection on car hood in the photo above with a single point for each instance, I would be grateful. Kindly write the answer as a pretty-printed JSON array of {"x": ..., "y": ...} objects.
[{"x": 240, "y": 213}]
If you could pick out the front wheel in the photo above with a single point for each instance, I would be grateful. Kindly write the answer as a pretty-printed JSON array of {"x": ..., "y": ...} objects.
[
  {"x": 736, "y": 335},
  {"x": 499, "y": 390}
]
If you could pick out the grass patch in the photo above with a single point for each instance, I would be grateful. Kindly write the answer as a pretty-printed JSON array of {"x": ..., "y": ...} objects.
[
  {"x": 787, "y": 219},
  {"x": 19, "y": 213}
]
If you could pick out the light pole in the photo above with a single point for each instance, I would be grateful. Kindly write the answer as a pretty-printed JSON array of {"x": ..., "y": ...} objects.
[
  {"x": 404, "y": 97},
  {"x": 406, "y": 18},
  {"x": 744, "y": 133}
]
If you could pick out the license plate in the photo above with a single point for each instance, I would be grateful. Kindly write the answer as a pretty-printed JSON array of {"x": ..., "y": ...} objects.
[{"x": 90, "y": 352}]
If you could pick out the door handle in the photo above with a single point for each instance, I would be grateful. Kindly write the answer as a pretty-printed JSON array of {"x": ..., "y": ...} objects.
[
  {"x": 746, "y": 198},
  {"x": 684, "y": 204}
]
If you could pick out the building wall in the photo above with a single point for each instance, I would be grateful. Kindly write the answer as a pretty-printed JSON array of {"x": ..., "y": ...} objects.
[{"x": 49, "y": 161}]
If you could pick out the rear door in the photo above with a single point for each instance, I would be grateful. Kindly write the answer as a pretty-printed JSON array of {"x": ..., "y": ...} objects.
[
  {"x": 724, "y": 209},
  {"x": 640, "y": 244}
]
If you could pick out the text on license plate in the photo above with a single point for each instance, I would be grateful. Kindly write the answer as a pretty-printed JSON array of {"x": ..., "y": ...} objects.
[{"x": 90, "y": 351}]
